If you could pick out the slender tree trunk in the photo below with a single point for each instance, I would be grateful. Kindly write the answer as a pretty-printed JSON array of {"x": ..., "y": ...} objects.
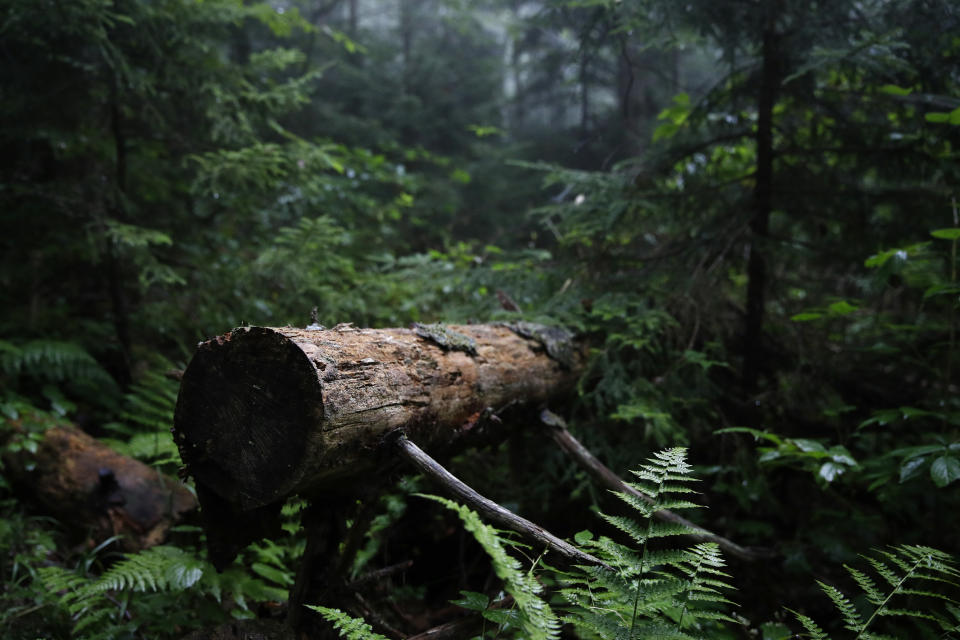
[
  {"x": 626, "y": 80},
  {"x": 519, "y": 107},
  {"x": 757, "y": 266},
  {"x": 352, "y": 17},
  {"x": 407, "y": 17},
  {"x": 584, "y": 95},
  {"x": 113, "y": 271}
]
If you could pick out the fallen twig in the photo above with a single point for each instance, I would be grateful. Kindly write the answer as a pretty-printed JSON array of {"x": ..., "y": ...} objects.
[
  {"x": 557, "y": 427},
  {"x": 487, "y": 508}
]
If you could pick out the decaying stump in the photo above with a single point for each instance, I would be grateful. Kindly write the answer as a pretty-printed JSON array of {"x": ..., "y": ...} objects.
[{"x": 90, "y": 487}]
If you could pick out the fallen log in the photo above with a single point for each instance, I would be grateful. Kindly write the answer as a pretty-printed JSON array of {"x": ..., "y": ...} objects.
[
  {"x": 265, "y": 413},
  {"x": 91, "y": 488}
]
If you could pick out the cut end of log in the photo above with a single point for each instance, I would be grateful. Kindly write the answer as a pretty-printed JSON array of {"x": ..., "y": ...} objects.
[{"x": 247, "y": 407}]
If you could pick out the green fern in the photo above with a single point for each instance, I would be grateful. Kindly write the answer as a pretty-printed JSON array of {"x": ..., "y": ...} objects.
[
  {"x": 152, "y": 400},
  {"x": 98, "y": 606},
  {"x": 148, "y": 414},
  {"x": 650, "y": 593},
  {"x": 536, "y": 619},
  {"x": 347, "y": 627},
  {"x": 910, "y": 572},
  {"x": 53, "y": 361},
  {"x": 156, "y": 569}
]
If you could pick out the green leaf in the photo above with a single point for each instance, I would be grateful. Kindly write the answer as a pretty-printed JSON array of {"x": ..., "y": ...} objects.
[
  {"x": 829, "y": 471},
  {"x": 271, "y": 573},
  {"x": 897, "y": 254},
  {"x": 808, "y": 446},
  {"x": 583, "y": 537},
  {"x": 841, "y": 308},
  {"x": 946, "y": 234},
  {"x": 756, "y": 433},
  {"x": 481, "y": 131},
  {"x": 952, "y": 117},
  {"x": 941, "y": 290},
  {"x": 806, "y": 316},
  {"x": 9, "y": 411},
  {"x": 895, "y": 90},
  {"x": 775, "y": 631},
  {"x": 840, "y": 455},
  {"x": 911, "y": 468},
  {"x": 461, "y": 176},
  {"x": 945, "y": 470},
  {"x": 917, "y": 451},
  {"x": 472, "y": 600}
]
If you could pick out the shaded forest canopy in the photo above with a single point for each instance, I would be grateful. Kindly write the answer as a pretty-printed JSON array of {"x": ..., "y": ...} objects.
[{"x": 747, "y": 209}]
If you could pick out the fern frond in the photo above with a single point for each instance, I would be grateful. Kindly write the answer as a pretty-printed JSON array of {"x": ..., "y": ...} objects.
[
  {"x": 631, "y": 527},
  {"x": 851, "y": 618},
  {"x": 813, "y": 629},
  {"x": 97, "y": 605},
  {"x": 904, "y": 591},
  {"x": 160, "y": 568},
  {"x": 870, "y": 589},
  {"x": 669, "y": 529},
  {"x": 901, "y": 568},
  {"x": 157, "y": 447},
  {"x": 908, "y": 613},
  {"x": 648, "y": 490},
  {"x": 651, "y": 594},
  {"x": 885, "y": 572},
  {"x": 55, "y": 361},
  {"x": 677, "y": 488},
  {"x": 626, "y": 560},
  {"x": 705, "y": 585},
  {"x": 68, "y": 586},
  {"x": 537, "y": 618},
  {"x": 673, "y": 460},
  {"x": 638, "y": 504},
  {"x": 348, "y": 627}
]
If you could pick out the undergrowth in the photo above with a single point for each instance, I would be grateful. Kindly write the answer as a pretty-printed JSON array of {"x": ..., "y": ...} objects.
[
  {"x": 91, "y": 594},
  {"x": 908, "y": 577},
  {"x": 654, "y": 590}
]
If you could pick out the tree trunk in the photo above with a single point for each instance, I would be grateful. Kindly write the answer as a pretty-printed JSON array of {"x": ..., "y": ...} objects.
[
  {"x": 91, "y": 488},
  {"x": 763, "y": 205},
  {"x": 265, "y": 413}
]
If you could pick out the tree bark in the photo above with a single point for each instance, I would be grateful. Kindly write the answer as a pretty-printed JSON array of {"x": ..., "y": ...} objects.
[
  {"x": 265, "y": 413},
  {"x": 90, "y": 487}
]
